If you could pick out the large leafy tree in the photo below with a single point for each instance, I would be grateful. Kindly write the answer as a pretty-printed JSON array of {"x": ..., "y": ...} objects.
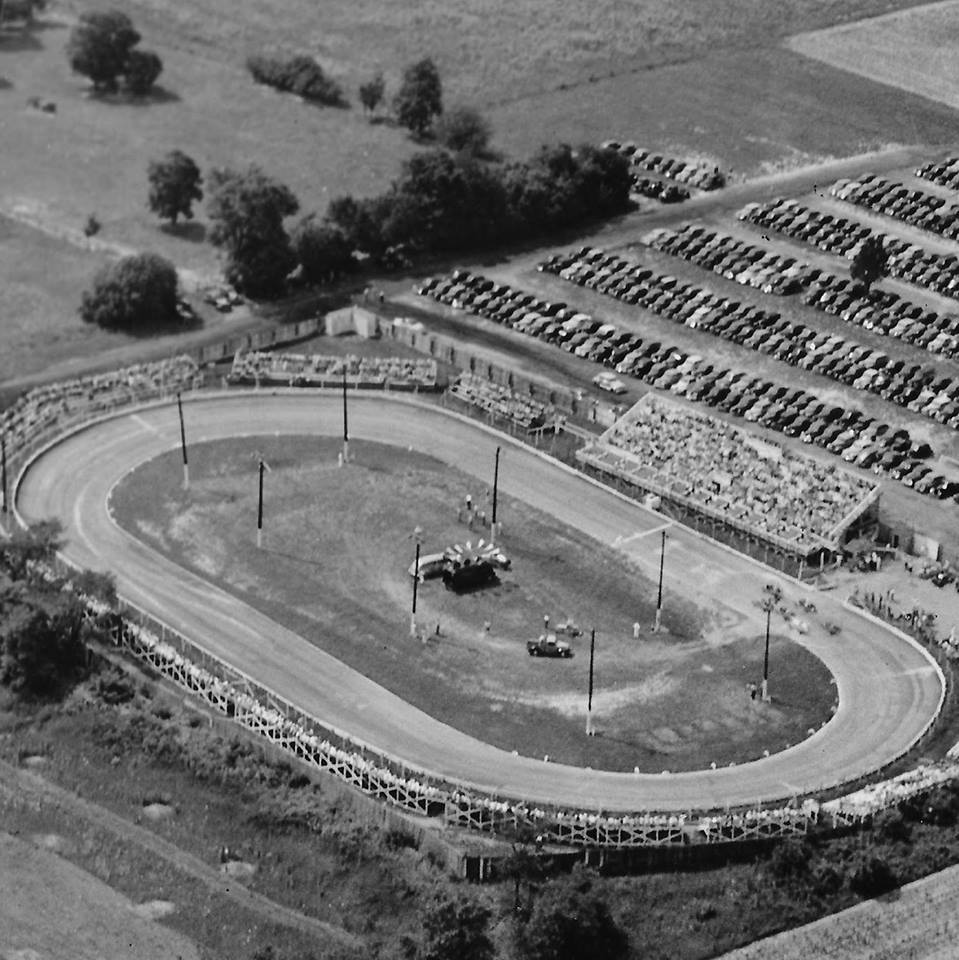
[
  {"x": 870, "y": 263},
  {"x": 175, "y": 183},
  {"x": 248, "y": 209},
  {"x": 419, "y": 100},
  {"x": 570, "y": 921},
  {"x": 137, "y": 294},
  {"x": 99, "y": 46},
  {"x": 322, "y": 249},
  {"x": 456, "y": 929},
  {"x": 142, "y": 70}
]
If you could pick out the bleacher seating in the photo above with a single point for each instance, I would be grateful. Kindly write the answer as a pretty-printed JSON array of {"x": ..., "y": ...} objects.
[
  {"x": 500, "y": 401},
  {"x": 304, "y": 370}
]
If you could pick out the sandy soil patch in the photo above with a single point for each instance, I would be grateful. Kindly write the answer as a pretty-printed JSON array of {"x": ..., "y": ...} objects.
[
  {"x": 154, "y": 909},
  {"x": 158, "y": 811},
  {"x": 239, "y": 869}
]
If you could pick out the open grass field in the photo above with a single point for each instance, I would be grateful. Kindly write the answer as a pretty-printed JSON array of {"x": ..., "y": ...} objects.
[
  {"x": 50, "y": 908},
  {"x": 912, "y": 50},
  {"x": 334, "y": 567}
]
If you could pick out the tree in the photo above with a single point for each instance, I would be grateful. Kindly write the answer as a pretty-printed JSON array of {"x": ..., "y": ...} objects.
[
  {"x": 99, "y": 46},
  {"x": 141, "y": 71},
  {"x": 247, "y": 209},
  {"x": 174, "y": 186},
  {"x": 137, "y": 293},
  {"x": 301, "y": 75},
  {"x": 38, "y": 543},
  {"x": 870, "y": 263},
  {"x": 372, "y": 93},
  {"x": 420, "y": 98},
  {"x": 322, "y": 249},
  {"x": 464, "y": 129},
  {"x": 456, "y": 929},
  {"x": 571, "y": 922}
]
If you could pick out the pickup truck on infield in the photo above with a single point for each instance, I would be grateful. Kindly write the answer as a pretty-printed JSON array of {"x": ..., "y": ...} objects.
[{"x": 548, "y": 646}]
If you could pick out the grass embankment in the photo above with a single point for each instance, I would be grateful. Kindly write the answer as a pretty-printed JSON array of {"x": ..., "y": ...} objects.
[{"x": 338, "y": 545}]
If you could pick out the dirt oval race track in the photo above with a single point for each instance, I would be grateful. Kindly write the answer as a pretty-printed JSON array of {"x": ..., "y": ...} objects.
[{"x": 889, "y": 690}]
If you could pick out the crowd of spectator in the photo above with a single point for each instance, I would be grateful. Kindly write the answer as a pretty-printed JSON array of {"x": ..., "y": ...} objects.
[
  {"x": 44, "y": 406},
  {"x": 732, "y": 258},
  {"x": 721, "y": 471},
  {"x": 842, "y": 236},
  {"x": 944, "y": 172},
  {"x": 927, "y": 211},
  {"x": 315, "y": 370},
  {"x": 874, "y": 797},
  {"x": 500, "y": 401},
  {"x": 850, "y": 433}
]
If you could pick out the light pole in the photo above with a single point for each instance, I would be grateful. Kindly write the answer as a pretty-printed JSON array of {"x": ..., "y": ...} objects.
[
  {"x": 589, "y": 700},
  {"x": 416, "y": 580},
  {"x": 263, "y": 465},
  {"x": 186, "y": 468},
  {"x": 495, "y": 496},
  {"x": 346, "y": 430},
  {"x": 765, "y": 687},
  {"x": 659, "y": 598},
  {"x": 3, "y": 469}
]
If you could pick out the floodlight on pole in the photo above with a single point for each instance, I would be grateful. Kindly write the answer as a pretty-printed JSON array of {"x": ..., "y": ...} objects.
[
  {"x": 416, "y": 581},
  {"x": 3, "y": 470},
  {"x": 589, "y": 699},
  {"x": 346, "y": 430},
  {"x": 495, "y": 495},
  {"x": 659, "y": 598},
  {"x": 765, "y": 687},
  {"x": 263, "y": 465},
  {"x": 186, "y": 468}
]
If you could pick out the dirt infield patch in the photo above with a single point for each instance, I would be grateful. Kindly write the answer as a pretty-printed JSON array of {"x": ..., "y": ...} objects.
[
  {"x": 913, "y": 50},
  {"x": 50, "y": 908}
]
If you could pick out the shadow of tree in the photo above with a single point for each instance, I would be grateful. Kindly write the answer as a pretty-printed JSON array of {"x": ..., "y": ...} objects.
[
  {"x": 120, "y": 98},
  {"x": 186, "y": 230}
]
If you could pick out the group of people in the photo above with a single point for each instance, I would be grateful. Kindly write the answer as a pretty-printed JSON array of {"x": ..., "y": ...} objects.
[
  {"x": 43, "y": 406},
  {"x": 719, "y": 469},
  {"x": 300, "y": 369},
  {"x": 500, "y": 401}
]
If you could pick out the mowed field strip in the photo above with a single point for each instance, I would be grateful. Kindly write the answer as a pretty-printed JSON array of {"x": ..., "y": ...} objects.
[
  {"x": 913, "y": 50},
  {"x": 919, "y": 921},
  {"x": 73, "y": 479}
]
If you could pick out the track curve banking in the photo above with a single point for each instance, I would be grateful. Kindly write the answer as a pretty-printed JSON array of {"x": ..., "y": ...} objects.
[{"x": 889, "y": 690}]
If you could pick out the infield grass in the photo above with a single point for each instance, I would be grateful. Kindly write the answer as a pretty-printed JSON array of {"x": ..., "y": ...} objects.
[{"x": 338, "y": 543}]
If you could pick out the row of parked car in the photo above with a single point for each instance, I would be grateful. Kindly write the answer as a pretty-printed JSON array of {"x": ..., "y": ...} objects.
[
  {"x": 732, "y": 258},
  {"x": 944, "y": 172},
  {"x": 914, "y": 387},
  {"x": 916, "y": 207},
  {"x": 844, "y": 237},
  {"x": 860, "y": 439},
  {"x": 696, "y": 173},
  {"x": 660, "y": 190},
  {"x": 884, "y": 312}
]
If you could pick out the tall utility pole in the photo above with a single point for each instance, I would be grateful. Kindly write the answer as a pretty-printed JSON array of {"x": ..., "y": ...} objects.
[
  {"x": 416, "y": 581},
  {"x": 765, "y": 686},
  {"x": 186, "y": 468},
  {"x": 3, "y": 463},
  {"x": 589, "y": 699},
  {"x": 495, "y": 495},
  {"x": 659, "y": 598},
  {"x": 346, "y": 431},
  {"x": 262, "y": 466}
]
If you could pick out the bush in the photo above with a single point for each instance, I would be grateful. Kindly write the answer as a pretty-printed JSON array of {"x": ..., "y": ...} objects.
[
  {"x": 871, "y": 876},
  {"x": 136, "y": 294},
  {"x": 321, "y": 249},
  {"x": 301, "y": 75},
  {"x": 419, "y": 101},
  {"x": 891, "y": 825},
  {"x": 464, "y": 129}
]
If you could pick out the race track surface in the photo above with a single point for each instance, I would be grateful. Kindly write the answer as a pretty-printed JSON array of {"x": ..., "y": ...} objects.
[{"x": 889, "y": 690}]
